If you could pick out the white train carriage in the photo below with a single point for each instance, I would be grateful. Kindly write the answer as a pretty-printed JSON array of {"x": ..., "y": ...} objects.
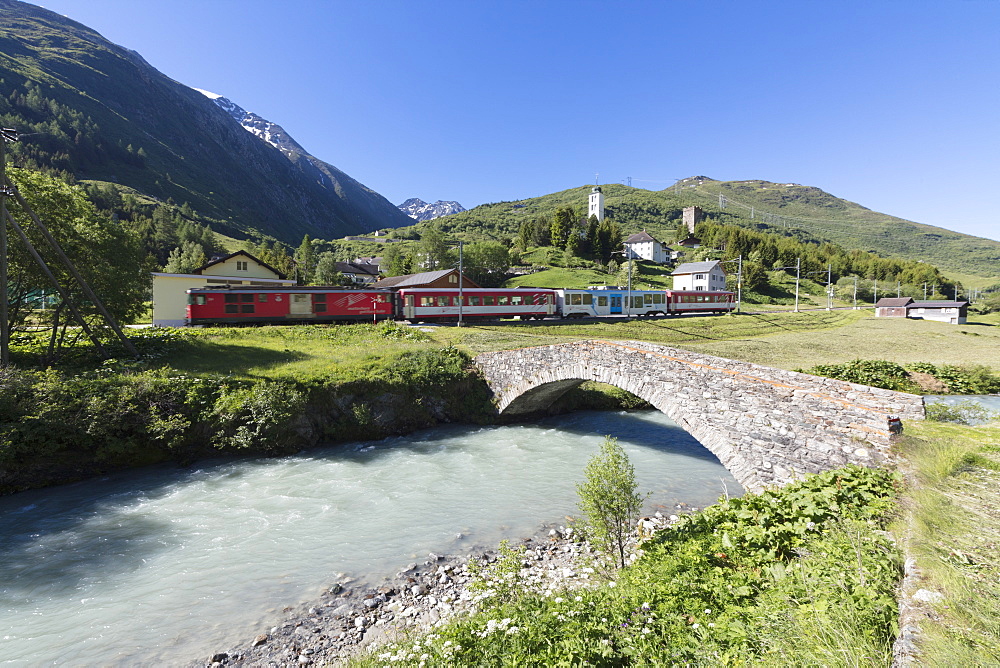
[
  {"x": 697, "y": 301},
  {"x": 603, "y": 301},
  {"x": 446, "y": 304}
]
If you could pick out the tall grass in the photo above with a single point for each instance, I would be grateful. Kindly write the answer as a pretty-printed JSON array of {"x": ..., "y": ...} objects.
[{"x": 954, "y": 532}]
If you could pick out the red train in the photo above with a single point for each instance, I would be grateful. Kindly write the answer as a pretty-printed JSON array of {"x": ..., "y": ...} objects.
[{"x": 258, "y": 305}]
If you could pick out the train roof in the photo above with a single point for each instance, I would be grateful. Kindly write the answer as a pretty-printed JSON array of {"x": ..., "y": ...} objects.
[{"x": 282, "y": 288}]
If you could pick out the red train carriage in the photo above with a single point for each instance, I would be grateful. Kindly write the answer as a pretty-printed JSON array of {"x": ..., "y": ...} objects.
[
  {"x": 256, "y": 305},
  {"x": 699, "y": 301},
  {"x": 444, "y": 304}
]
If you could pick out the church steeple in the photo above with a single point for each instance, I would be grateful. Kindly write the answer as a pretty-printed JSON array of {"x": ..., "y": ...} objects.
[{"x": 596, "y": 203}]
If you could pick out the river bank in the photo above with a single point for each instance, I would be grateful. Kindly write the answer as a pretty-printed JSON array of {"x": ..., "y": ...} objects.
[{"x": 354, "y": 616}]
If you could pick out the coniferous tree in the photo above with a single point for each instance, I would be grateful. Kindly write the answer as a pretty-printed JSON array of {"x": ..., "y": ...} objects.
[{"x": 305, "y": 261}]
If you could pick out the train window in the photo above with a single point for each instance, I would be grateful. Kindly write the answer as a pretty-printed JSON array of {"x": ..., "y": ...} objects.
[
  {"x": 443, "y": 301},
  {"x": 489, "y": 300},
  {"x": 647, "y": 298},
  {"x": 319, "y": 297},
  {"x": 262, "y": 297},
  {"x": 637, "y": 301},
  {"x": 246, "y": 298},
  {"x": 232, "y": 308},
  {"x": 575, "y": 299},
  {"x": 427, "y": 301},
  {"x": 475, "y": 301},
  {"x": 602, "y": 300},
  {"x": 659, "y": 298},
  {"x": 198, "y": 300},
  {"x": 588, "y": 298},
  {"x": 246, "y": 308},
  {"x": 517, "y": 300},
  {"x": 232, "y": 299},
  {"x": 503, "y": 301},
  {"x": 319, "y": 308},
  {"x": 456, "y": 301}
]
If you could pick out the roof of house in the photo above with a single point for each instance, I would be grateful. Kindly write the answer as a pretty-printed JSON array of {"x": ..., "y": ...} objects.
[
  {"x": 697, "y": 267},
  {"x": 640, "y": 237},
  {"x": 417, "y": 280},
  {"x": 356, "y": 268},
  {"x": 937, "y": 304},
  {"x": 887, "y": 302},
  {"x": 220, "y": 260}
]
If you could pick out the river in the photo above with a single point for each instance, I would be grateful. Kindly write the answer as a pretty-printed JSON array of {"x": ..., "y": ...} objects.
[{"x": 164, "y": 565}]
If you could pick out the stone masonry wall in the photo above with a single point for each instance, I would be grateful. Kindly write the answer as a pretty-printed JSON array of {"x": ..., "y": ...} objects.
[{"x": 767, "y": 426}]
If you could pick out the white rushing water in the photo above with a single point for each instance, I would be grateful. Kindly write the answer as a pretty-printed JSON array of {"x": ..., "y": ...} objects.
[{"x": 166, "y": 566}]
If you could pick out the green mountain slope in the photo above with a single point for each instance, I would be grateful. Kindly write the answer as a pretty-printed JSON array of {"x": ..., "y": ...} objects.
[
  {"x": 90, "y": 108},
  {"x": 804, "y": 212}
]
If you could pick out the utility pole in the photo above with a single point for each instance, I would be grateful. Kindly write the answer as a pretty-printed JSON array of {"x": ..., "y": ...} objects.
[
  {"x": 875, "y": 297},
  {"x": 855, "y": 292},
  {"x": 6, "y": 135},
  {"x": 898, "y": 286},
  {"x": 829, "y": 286},
  {"x": 461, "y": 294},
  {"x": 739, "y": 283},
  {"x": 798, "y": 273},
  {"x": 925, "y": 290}
]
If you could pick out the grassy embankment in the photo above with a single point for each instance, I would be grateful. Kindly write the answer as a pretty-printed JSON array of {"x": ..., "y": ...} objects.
[{"x": 951, "y": 526}]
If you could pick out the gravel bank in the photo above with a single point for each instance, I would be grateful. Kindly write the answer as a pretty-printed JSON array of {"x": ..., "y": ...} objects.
[{"x": 351, "y": 616}]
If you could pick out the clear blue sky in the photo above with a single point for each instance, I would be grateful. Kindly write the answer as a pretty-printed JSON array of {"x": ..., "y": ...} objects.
[{"x": 889, "y": 103}]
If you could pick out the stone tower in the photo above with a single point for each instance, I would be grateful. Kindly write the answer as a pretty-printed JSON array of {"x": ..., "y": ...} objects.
[
  {"x": 692, "y": 216},
  {"x": 596, "y": 203}
]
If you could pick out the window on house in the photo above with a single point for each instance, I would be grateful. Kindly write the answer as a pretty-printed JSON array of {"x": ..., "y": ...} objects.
[
  {"x": 699, "y": 277},
  {"x": 700, "y": 287},
  {"x": 241, "y": 265},
  {"x": 453, "y": 279}
]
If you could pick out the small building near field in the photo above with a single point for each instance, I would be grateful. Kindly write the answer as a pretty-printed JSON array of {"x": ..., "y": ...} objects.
[
  {"x": 239, "y": 268},
  {"x": 443, "y": 278},
  {"x": 708, "y": 276},
  {"x": 643, "y": 246},
  {"x": 951, "y": 312},
  {"x": 892, "y": 307}
]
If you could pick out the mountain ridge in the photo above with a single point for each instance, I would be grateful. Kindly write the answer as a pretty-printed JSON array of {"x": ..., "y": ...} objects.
[{"x": 100, "y": 112}]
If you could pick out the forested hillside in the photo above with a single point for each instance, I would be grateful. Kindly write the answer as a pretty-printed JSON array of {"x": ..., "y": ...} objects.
[
  {"x": 800, "y": 212},
  {"x": 95, "y": 112}
]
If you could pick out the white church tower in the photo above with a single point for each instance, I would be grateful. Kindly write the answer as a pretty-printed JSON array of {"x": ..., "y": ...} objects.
[{"x": 596, "y": 204}]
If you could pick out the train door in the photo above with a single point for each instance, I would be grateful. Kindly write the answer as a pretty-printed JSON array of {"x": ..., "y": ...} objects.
[
  {"x": 300, "y": 305},
  {"x": 616, "y": 303},
  {"x": 409, "y": 304}
]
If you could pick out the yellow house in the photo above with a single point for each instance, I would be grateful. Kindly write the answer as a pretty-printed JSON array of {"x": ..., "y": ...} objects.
[{"x": 239, "y": 268}]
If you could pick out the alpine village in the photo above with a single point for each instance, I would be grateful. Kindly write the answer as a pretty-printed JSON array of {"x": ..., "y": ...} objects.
[{"x": 254, "y": 414}]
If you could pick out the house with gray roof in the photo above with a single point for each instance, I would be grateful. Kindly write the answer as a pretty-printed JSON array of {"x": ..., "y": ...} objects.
[
  {"x": 443, "y": 278},
  {"x": 642, "y": 246},
  {"x": 708, "y": 276}
]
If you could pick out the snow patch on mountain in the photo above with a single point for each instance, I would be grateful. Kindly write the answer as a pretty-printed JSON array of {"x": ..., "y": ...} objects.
[
  {"x": 420, "y": 210},
  {"x": 270, "y": 132}
]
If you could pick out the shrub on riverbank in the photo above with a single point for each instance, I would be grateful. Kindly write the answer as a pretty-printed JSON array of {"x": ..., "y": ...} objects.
[
  {"x": 964, "y": 379},
  {"x": 56, "y": 427},
  {"x": 800, "y": 575}
]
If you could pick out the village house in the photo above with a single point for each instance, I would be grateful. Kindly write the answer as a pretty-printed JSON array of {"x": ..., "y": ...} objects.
[
  {"x": 363, "y": 271},
  {"x": 239, "y": 268},
  {"x": 643, "y": 246},
  {"x": 443, "y": 278},
  {"x": 708, "y": 276}
]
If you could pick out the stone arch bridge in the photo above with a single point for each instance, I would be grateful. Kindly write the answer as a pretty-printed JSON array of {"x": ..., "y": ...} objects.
[{"x": 767, "y": 426}]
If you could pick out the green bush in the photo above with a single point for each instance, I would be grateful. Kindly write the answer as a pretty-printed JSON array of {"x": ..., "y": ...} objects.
[{"x": 876, "y": 373}]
